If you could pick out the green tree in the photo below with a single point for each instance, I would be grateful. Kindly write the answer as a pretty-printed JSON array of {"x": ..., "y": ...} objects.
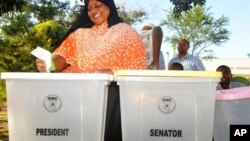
[
  {"x": 7, "y": 6},
  {"x": 185, "y": 5},
  {"x": 2, "y": 90},
  {"x": 131, "y": 16},
  {"x": 199, "y": 27},
  {"x": 14, "y": 51},
  {"x": 44, "y": 10},
  {"x": 47, "y": 34}
]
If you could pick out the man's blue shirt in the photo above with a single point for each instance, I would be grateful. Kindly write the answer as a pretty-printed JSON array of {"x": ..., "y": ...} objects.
[{"x": 189, "y": 62}]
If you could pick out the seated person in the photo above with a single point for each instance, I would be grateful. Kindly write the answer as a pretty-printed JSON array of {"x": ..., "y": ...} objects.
[
  {"x": 152, "y": 37},
  {"x": 175, "y": 66}
]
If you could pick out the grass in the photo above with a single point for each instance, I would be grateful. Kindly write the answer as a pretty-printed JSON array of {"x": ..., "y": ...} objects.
[{"x": 3, "y": 121}]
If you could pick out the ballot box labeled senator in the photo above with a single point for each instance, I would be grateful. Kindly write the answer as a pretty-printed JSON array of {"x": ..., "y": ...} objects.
[
  {"x": 56, "y": 106},
  {"x": 167, "y": 105},
  {"x": 232, "y": 111}
]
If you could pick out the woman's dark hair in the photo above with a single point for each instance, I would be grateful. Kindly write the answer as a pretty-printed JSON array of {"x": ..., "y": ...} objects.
[
  {"x": 83, "y": 20},
  {"x": 113, "y": 18}
]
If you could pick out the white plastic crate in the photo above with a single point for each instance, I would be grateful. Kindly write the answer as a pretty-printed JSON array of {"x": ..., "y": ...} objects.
[
  {"x": 232, "y": 107},
  {"x": 167, "y": 105},
  {"x": 56, "y": 106}
]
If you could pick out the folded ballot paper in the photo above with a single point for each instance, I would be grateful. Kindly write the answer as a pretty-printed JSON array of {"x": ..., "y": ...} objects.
[{"x": 45, "y": 55}]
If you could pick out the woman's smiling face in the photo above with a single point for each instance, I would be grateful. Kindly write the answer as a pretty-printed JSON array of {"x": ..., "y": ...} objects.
[{"x": 98, "y": 12}]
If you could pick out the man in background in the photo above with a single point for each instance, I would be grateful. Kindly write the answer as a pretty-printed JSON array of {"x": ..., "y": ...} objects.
[{"x": 189, "y": 62}]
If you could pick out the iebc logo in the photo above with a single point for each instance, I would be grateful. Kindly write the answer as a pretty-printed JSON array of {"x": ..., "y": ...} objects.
[
  {"x": 239, "y": 132},
  {"x": 166, "y": 104},
  {"x": 52, "y": 103}
]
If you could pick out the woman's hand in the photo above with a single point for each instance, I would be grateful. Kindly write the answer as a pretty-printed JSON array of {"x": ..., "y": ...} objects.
[{"x": 41, "y": 66}]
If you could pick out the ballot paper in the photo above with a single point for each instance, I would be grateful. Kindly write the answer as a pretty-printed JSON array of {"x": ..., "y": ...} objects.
[{"x": 45, "y": 55}]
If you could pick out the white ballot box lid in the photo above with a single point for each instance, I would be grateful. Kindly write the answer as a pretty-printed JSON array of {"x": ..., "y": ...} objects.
[
  {"x": 56, "y": 76},
  {"x": 126, "y": 74},
  {"x": 162, "y": 73},
  {"x": 233, "y": 94}
]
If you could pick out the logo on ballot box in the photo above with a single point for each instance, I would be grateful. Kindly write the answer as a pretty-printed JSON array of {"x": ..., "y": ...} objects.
[
  {"x": 166, "y": 104},
  {"x": 239, "y": 132},
  {"x": 52, "y": 103}
]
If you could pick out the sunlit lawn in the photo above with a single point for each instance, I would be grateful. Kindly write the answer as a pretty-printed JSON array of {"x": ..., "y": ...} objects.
[{"x": 3, "y": 121}]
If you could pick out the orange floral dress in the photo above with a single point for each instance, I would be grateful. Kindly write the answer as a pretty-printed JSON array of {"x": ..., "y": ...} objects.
[{"x": 100, "y": 47}]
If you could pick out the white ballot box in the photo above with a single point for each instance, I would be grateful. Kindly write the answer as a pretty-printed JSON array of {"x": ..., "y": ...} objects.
[
  {"x": 232, "y": 108},
  {"x": 56, "y": 106},
  {"x": 167, "y": 105}
]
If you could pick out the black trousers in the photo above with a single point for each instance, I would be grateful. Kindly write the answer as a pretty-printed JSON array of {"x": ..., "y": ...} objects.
[{"x": 113, "y": 131}]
